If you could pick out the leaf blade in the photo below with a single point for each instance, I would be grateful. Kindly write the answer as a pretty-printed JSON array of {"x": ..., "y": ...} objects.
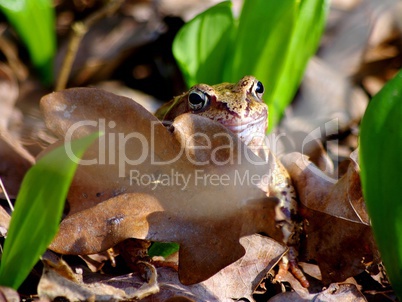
[
  {"x": 35, "y": 221},
  {"x": 309, "y": 25},
  {"x": 381, "y": 163},
  {"x": 200, "y": 47},
  {"x": 249, "y": 52},
  {"x": 163, "y": 249},
  {"x": 34, "y": 21}
]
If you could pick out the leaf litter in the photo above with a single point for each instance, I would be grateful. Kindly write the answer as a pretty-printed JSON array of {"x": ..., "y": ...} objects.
[
  {"x": 348, "y": 223},
  {"x": 106, "y": 209},
  {"x": 104, "y": 212}
]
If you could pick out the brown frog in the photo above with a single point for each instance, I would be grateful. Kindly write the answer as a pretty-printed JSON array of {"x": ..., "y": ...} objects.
[{"x": 240, "y": 108}]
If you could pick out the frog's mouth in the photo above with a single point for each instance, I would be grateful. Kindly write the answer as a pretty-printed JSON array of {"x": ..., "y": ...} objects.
[{"x": 251, "y": 131}]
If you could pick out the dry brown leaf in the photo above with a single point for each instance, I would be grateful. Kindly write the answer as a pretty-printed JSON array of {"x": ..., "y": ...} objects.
[
  {"x": 329, "y": 96},
  {"x": 8, "y": 294},
  {"x": 4, "y": 222},
  {"x": 339, "y": 236},
  {"x": 240, "y": 279},
  {"x": 208, "y": 213},
  {"x": 9, "y": 94},
  {"x": 59, "y": 280},
  {"x": 235, "y": 281},
  {"x": 14, "y": 160},
  {"x": 324, "y": 101},
  {"x": 107, "y": 43},
  {"x": 355, "y": 25},
  {"x": 95, "y": 262},
  {"x": 14, "y": 163},
  {"x": 334, "y": 293},
  {"x": 147, "y": 101},
  {"x": 134, "y": 251}
]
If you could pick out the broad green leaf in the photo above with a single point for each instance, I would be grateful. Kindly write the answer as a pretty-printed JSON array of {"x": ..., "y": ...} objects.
[
  {"x": 273, "y": 41},
  {"x": 304, "y": 40},
  {"x": 263, "y": 35},
  {"x": 381, "y": 166},
  {"x": 200, "y": 47},
  {"x": 34, "y": 20},
  {"x": 38, "y": 211},
  {"x": 163, "y": 249}
]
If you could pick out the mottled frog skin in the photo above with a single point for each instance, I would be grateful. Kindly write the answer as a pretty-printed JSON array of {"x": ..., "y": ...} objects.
[{"x": 240, "y": 108}]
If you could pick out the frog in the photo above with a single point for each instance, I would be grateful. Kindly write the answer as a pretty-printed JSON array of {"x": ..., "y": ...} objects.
[{"x": 241, "y": 109}]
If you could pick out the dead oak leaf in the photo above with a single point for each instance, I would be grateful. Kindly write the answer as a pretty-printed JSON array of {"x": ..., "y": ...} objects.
[
  {"x": 338, "y": 232},
  {"x": 196, "y": 187},
  {"x": 237, "y": 280},
  {"x": 335, "y": 292},
  {"x": 60, "y": 280}
]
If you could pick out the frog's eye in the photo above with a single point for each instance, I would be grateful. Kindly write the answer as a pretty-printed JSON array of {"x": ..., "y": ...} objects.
[
  {"x": 198, "y": 100},
  {"x": 259, "y": 88}
]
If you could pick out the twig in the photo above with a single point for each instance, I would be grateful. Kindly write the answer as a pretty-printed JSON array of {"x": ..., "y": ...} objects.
[
  {"x": 5, "y": 193},
  {"x": 78, "y": 32},
  {"x": 10, "y": 52},
  {"x": 79, "y": 29}
]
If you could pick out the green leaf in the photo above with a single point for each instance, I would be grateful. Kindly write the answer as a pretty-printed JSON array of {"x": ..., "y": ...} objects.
[
  {"x": 200, "y": 47},
  {"x": 34, "y": 20},
  {"x": 264, "y": 31},
  {"x": 163, "y": 249},
  {"x": 304, "y": 40},
  {"x": 38, "y": 211},
  {"x": 381, "y": 166},
  {"x": 273, "y": 41}
]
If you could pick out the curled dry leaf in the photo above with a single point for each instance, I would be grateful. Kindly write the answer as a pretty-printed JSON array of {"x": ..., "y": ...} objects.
[
  {"x": 262, "y": 254},
  {"x": 234, "y": 282},
  {"x": 196, "y": 187},
  {"x": 339, "y": 236},
  {"x": 15, "y": 162},
  {"x": 334, "y": 292},
  {"x": 4, "y": 222},
  {"x": 59, "y": 280}
]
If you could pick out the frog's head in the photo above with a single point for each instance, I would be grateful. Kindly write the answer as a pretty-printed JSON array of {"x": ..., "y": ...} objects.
[{"x": 238, "y": 106}]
